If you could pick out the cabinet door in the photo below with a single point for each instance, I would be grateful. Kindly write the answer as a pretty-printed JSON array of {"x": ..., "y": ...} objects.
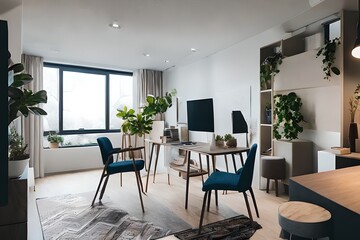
[{"x": 326, "y": 161}]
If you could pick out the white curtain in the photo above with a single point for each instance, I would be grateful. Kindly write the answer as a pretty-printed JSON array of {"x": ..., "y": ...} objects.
[
  {"x": 149, "y": 82},
  {"x": 33, "y": 127}
]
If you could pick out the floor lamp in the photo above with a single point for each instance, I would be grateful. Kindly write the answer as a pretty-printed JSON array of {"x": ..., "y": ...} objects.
[{"x": 239, "y": 124}]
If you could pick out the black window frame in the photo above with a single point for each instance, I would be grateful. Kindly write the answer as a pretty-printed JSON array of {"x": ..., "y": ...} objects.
[{"x": 90, "y": 70}]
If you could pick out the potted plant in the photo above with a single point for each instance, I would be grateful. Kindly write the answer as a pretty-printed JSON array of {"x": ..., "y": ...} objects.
[
  {"x": 54, "y": 139},
  {"x": 18, "y": 157},
  {"x": 288, "y": 116},
  {"x": 141, "y": 123},
  {"x": 268, "y": 69},
  {"x": 219, "y": 141},
  {"x": 328, "y": 51},
  {"x": 230, "y": 140},
  {"x": 21, "y": 101}
]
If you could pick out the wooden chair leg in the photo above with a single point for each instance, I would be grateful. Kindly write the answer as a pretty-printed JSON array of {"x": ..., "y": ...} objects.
[
  {"x": 254, "y": 201},
  {"x": 120, "y": 179},
  {"x": 103, "y": 188},
  {"x": 168, "y": 179},
  {"x": 140, "y": 181},
  {"x": 138, "y": 185},
  {"x": 201, "y": 169},
  {"x": 248, "y": 206},
  {"x": 216, "y": 198},
  {"x": 97, "y": 190},
  {"x": 209, "y": 200},
  {"x": 276, "y": 188},
  {"x": 267, "y": 185},
  {"x": 202, "y": 212},
  {"x": 234, "y": 163}
]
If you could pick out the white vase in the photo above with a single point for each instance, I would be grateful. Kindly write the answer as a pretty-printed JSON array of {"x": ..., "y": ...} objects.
[{"x": 17, "y": 167}]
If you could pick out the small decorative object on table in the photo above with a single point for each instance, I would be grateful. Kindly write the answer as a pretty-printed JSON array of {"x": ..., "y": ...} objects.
[
  {"x": 230, "y": 140},
  {"x": 54, "y": 139},
  {"x": 268, "y": 113},
  {"x": 219, "y": 141}
]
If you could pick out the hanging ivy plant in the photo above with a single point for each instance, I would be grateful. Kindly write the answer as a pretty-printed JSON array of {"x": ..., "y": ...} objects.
[
  {"x": 288, "y": 116},
  {"x": 269, "y": 68},
  {"x": 328, "y": 52}
]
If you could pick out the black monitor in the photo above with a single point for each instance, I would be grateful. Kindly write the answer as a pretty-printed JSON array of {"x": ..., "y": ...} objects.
[{"x": 200, "y": 115}]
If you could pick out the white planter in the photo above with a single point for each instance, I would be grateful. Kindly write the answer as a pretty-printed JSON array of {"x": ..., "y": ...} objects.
[{"x": 17, "y": 167}]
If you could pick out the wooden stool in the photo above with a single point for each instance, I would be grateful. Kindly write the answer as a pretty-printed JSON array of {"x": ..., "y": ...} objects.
[
  {"x": 273, "y": 167},
  {"x": 305, "y": 220}
]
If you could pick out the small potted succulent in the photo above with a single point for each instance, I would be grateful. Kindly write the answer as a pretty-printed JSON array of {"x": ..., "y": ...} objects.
[
  {"x": 219, "y": 141},
  {"x": 230, "y": 140},
  {"x": 54, "y": 139}
]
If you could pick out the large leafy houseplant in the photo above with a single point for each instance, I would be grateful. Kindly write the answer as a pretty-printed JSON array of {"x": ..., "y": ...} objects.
[
  {"x": 21, "y": 101},
  {"x": 288, "y": 116},
  {"x": 141, "y": 123}
]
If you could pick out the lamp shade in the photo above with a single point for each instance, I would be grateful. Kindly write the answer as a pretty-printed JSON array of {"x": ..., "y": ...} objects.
[{"x": 239, "y": 124}]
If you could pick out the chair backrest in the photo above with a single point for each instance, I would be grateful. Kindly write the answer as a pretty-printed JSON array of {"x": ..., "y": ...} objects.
[
  {"x": 247, "y": 172},
  {"x": 106, "y": 149}
]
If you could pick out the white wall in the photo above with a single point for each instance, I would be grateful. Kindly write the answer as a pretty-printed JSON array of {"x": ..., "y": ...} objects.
[
  {"x": 14, "y": 19},
  {"x": 225, "y": 76},
  {"x": 77, "y": 158}
]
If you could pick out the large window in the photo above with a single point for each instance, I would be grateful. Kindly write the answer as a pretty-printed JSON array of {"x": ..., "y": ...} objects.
[{"x": 84, "y": 100}]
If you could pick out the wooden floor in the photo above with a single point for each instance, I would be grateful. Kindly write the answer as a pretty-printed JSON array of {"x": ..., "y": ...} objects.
[{"x": 171, "y": 196}]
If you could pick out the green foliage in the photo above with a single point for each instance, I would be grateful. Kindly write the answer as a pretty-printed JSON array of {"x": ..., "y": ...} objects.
[
  {"x": 17, "y": 146},
  {"x": 228, "y": 137},
  {"x": 53, "y": 137},
  {"x": 141, "y": 123},
  {"x": 288, "y": 116},
  {"x": 269, "y": 68},
  {"x": 219, "y": 138},
  {"x": 21, "y": 99},
  {"x": 328, "y": 51},
  {"x": 353, "y": 102}
]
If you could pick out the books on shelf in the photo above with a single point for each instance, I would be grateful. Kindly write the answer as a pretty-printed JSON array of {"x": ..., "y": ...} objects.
[{"x": 340, "y": 150}]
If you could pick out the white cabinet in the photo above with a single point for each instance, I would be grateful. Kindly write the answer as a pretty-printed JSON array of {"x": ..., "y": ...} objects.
[{"x": 326, "y": 161}]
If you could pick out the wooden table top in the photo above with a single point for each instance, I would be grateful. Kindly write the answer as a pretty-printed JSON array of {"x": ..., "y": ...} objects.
[
  {"x": 304, "y": 212},
  {"x": 341, "y": 186}
]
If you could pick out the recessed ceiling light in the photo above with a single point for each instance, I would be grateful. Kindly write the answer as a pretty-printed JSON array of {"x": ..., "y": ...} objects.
[
  {"x": 115, "y": 25},
  {"x": 193, "y": 49},
  {"x": 167, "y": 61},
  {"x": 146, "y": 54}
]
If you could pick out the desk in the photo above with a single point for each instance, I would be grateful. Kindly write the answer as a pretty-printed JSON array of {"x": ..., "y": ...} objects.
[
  {"x": 200, "y": 148},
  {"x": 337, "y": 191}
]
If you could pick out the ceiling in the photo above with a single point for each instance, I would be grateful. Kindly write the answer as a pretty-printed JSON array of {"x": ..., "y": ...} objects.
[{"x": 78, "y": 32}]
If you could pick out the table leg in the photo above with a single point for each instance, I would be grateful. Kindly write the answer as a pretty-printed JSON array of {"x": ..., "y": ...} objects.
[
  {"x": 156, "y": 160},
  {"x": 187, "y": 178},
  {"x": 202, "y": 176},
  {"x": 233, "y": 158},
  {"x": 148, "y": 173},
  {"x": 241, "y": 158},
  {"x": 208, "y": 164}
]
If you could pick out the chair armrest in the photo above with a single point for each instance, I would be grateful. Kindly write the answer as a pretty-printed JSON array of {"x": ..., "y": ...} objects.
[{"x": 116, "y": 150}]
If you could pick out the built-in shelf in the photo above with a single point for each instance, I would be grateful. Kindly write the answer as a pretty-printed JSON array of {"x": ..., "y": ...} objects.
[{"x": 266, "y": 125}]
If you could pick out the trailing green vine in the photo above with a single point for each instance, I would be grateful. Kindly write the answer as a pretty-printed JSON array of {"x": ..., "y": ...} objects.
[
  {"x": 288, "y": 116},
  {"x": 328, "y": 51},
  {"x": 269, "y": 68}
]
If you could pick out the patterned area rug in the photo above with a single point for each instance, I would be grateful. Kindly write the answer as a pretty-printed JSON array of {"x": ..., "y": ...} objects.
[
  {"x": 239, "y": 227},
  {"x": 71, "y": 217}
]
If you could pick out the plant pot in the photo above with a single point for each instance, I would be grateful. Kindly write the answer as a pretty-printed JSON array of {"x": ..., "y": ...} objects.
[
  {"x": 231, "y": 143},
  {"x": 17, "y": 167},
  {"x": 54, "y": 145},
  {"x": 219, "y": 143}
]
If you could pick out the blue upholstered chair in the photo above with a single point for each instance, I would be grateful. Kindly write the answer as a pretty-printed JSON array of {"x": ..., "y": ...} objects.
[
  {"x": 111, "y": 167},
  {"x": 240, "y": 181}
]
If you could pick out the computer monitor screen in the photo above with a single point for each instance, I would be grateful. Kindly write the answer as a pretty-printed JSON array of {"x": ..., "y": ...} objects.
[{"x": 200, "y": 115}]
